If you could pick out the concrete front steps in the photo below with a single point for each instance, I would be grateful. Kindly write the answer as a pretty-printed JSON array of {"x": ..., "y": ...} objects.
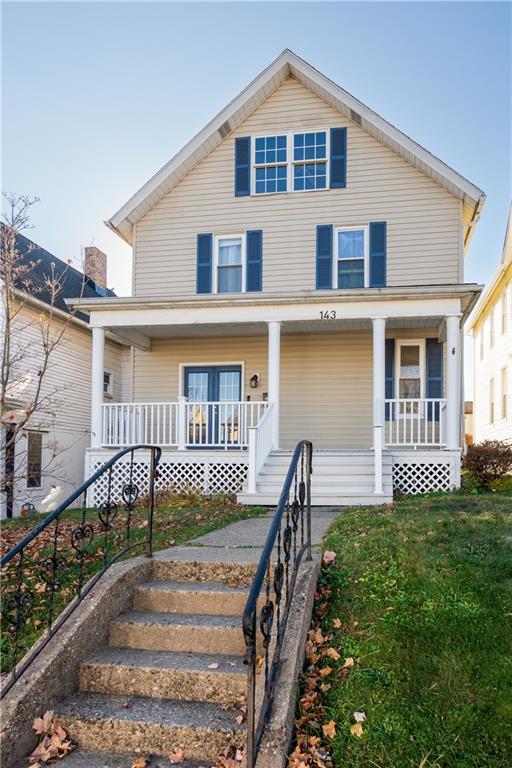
[
  {"x": 172, "y": 675},
  {"x": 340, "y": 478}
]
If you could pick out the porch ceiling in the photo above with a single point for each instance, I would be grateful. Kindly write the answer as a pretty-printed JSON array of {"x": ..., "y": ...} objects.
[{"x": 288, "y": 327}]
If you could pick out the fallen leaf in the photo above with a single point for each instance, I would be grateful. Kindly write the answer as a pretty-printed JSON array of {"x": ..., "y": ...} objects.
[
  {"x": 349, "y": 662},
  {"x": 314, "y": 741},
  {"x": 337, "y": 623},
  {"x": 177, "y": 756},
  {"x": 325, "y": 687},
  {"x": 239, "y": 719},
  {"x": 213, "y": 666},
  {"x": 239, "y": 755},
  {"x": 356, "y": 730},
  {"x": 140, "y": 762},
  {"x": 329, "y": 556},
  {"x": 43, "y": 724},
  {"x": 329, "y": 729},
  {"x": 325, "y": 671},
  {"x": 359, "y": 717},
  {"x": 332, "y": 653},
  {"x": 127, "y": 704},
  {"x": 318, "y": 638}
]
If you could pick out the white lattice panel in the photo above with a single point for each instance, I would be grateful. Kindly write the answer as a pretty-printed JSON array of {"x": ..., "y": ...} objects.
[
  {"x": 422, "y": 477},
  {"x": 206, "y": 475}
]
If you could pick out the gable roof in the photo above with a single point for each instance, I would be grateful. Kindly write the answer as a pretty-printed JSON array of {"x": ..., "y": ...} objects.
[
  {"x": 225, "y": 122},
  {"x": 74, "y": 283}
]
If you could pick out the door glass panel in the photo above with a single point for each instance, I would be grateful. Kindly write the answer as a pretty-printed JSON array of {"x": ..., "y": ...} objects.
[
  {"x": 213, "y": 424},
  {"x": 229, "y": 391},
  {"x": 197, "y": 386},
  {"x": 409, "y": 384}
]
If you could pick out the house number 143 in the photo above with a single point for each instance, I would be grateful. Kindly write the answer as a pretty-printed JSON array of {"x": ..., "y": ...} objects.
[{"x": 328, "y": 314}]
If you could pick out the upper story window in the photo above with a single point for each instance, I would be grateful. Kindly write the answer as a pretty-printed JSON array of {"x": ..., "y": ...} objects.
[
  {"x": 351, "y": 262},
  {"x": 108, "y": 383},
  {"x": 309, "y": 161},
  {"x": 271, "y": 164},
  {"x": 229, "y": 264}
]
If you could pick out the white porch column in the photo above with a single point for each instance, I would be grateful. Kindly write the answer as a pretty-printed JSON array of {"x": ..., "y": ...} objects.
[
  {"x": 453, "y": 378},
  {"x": 379, "y": 389},
  {"x": 274, "y": 375},
  {"x": 98, "y": 354}
]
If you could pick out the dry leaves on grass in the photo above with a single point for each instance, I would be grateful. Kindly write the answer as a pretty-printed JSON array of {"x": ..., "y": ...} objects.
[
  {"x": 329, "y": 729},
  {"x": 54, "y": 744}
]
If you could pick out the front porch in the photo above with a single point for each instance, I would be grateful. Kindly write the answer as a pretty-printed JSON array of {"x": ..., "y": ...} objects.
[{"x": 376, "y": 382}]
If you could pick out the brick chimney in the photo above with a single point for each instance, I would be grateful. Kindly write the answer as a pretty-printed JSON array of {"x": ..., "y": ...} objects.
[{"x": 95, "y": 265}]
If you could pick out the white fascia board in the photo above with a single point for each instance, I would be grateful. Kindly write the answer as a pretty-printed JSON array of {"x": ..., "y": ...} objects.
[
  {"x": 187, "y": 315},
  {"x": 287, "y": 63}
]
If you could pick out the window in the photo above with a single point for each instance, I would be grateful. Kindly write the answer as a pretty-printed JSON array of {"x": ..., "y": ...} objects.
[
  {"x": 271, "y": 164},
  {"x": 351, "y": 262},
  {"x": 34, "y": 459},
  {"x": 310, "y": 147},
  {"x": 482, "y": 343},
  {"x": 491, "y": 401},
  {"x": 229, "y": 264},
  {"x": 491, "y": 329},
  {"x": 410, "y": 369},
  {"x": 504, "y": 313},
  {"x": 291, "y": 161},
  {"x": 108, "y": 383},
  {"x": 504, "y": 393}
]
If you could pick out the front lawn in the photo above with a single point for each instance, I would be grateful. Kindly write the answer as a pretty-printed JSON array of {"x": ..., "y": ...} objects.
[
  {"x": 418, "y": 603},
  {"x": 175, "y": 522}
]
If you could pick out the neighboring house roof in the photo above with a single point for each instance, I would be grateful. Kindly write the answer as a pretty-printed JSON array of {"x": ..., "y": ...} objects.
[
  {"x": 504, "y": 266},
  {"x": 286, "y": 65},
  {"x": 74, "y": 283}
]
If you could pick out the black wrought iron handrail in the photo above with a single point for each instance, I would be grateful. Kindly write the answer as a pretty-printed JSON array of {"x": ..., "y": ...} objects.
[
  {"x": 18, "y": 603},
  {"x": 276, "y": 574}
]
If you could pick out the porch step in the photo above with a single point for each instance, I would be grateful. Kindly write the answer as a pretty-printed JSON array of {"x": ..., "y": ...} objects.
[
  {"x": 213, "y": 598},
  {"x": 158, "y": 726},
  {"x": 181, "y": 632},
  {"x": 166, "y": 675},
  {"x": 320, "y": 500},
  {"x": 82, "y": 758}
]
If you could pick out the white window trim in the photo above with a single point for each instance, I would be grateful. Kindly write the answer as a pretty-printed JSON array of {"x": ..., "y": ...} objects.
[
  {"x": 366, "y": 257},
  {"x": 110, "y": 388},
  {"x": 217, "y": 238},
  {"x": 35, "y": 487},
  {"x": 504, "y": 392},
  {"x": 290, "y": 162},
  {"x": 492, "y": 400},
  {"x": 399, "y": 343}
]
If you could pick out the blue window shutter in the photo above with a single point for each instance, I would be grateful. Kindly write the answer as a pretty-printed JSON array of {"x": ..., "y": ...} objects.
[
  {"x": 254, "y": 244},
  {"x": 389, "y": 374},
  {"x": 243, "y": 166},
  {"x": 338, "y": 158},
  {"x": 434, "y": 363},
  {"x": 204, "y": 263},
  {"x": 377, "y": 254},
  {"x": 324, "y": 256}
]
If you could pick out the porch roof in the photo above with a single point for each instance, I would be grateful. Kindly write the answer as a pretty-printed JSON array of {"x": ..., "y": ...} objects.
[{"x": 138, "y": 320}]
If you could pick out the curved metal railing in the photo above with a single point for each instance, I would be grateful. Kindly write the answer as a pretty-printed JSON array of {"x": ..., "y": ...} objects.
[
  {"x": 51, "y": 554},
  {"x": 275, "y": 577}
]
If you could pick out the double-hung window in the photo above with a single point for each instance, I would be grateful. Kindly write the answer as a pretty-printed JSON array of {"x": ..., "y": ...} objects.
[
  {"x": 491, "y": 401},
  {"x": 309, "y": 161},
  {"x": 504, "y": 392},
  {"x": 351, "y": 262},
  {"x": 410, "y": 374},
  {"x": 271, "y": 164},
  {"x": 229, "y": 268}
]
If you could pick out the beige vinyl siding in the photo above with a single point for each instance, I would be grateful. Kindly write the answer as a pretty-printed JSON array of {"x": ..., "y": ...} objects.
[
  {"x": 424, "y": 242},
  {"x": 326, "y": 379}
]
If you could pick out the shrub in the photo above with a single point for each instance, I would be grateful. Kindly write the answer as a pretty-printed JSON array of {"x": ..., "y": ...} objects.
[{"x": 487, "y": 462}]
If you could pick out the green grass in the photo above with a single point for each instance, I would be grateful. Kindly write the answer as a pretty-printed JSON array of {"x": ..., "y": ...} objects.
[
  {"x": 174, "y": 523},
  {"x": 424, "y": 593}
]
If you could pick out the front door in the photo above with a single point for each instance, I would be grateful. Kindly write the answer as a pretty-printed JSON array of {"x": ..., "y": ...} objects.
[{"x": 214, "y": 419}]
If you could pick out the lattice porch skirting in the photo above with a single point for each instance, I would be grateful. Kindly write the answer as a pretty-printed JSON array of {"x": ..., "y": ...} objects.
[
  {"x": 186, "y": 473},
  {"x": 425, "y": 471}
]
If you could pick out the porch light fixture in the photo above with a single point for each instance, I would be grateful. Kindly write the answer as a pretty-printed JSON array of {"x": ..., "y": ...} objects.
[{"x": 254, "y": 380}]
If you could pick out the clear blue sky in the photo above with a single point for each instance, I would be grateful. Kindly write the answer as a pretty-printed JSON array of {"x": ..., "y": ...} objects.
[{"x": 98, "y": 96}]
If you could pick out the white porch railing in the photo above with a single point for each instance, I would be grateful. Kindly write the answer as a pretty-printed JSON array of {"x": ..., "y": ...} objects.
[
  {"x": 415, "y": 422},
  {"x": 260, "y": 445},
  {"x": 182, "y": 424}
]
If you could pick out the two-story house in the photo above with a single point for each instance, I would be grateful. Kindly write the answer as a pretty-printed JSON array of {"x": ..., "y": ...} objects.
[
  {"x": 491, "y": 325},
  {"x": 298, "y": 272}
]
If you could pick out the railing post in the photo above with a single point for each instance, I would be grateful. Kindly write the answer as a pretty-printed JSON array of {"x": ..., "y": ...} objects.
[
  {"x": 309, "y": 469},
  {"x": 252, "y": 451},
  {"x": 151, "y": 507},
  {"x": 182, "y": 423},
  {"x": 250, "y": 661}
]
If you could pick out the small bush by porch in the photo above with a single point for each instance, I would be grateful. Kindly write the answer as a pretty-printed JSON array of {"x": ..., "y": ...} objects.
[{"x": 421, "y": 594}]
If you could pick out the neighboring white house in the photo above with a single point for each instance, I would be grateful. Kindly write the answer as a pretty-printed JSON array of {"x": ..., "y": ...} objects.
[
  {"x": 47, "y": 460},
  {"x": 491, "y": 325},
  {"x": 298, "y": 274}
]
